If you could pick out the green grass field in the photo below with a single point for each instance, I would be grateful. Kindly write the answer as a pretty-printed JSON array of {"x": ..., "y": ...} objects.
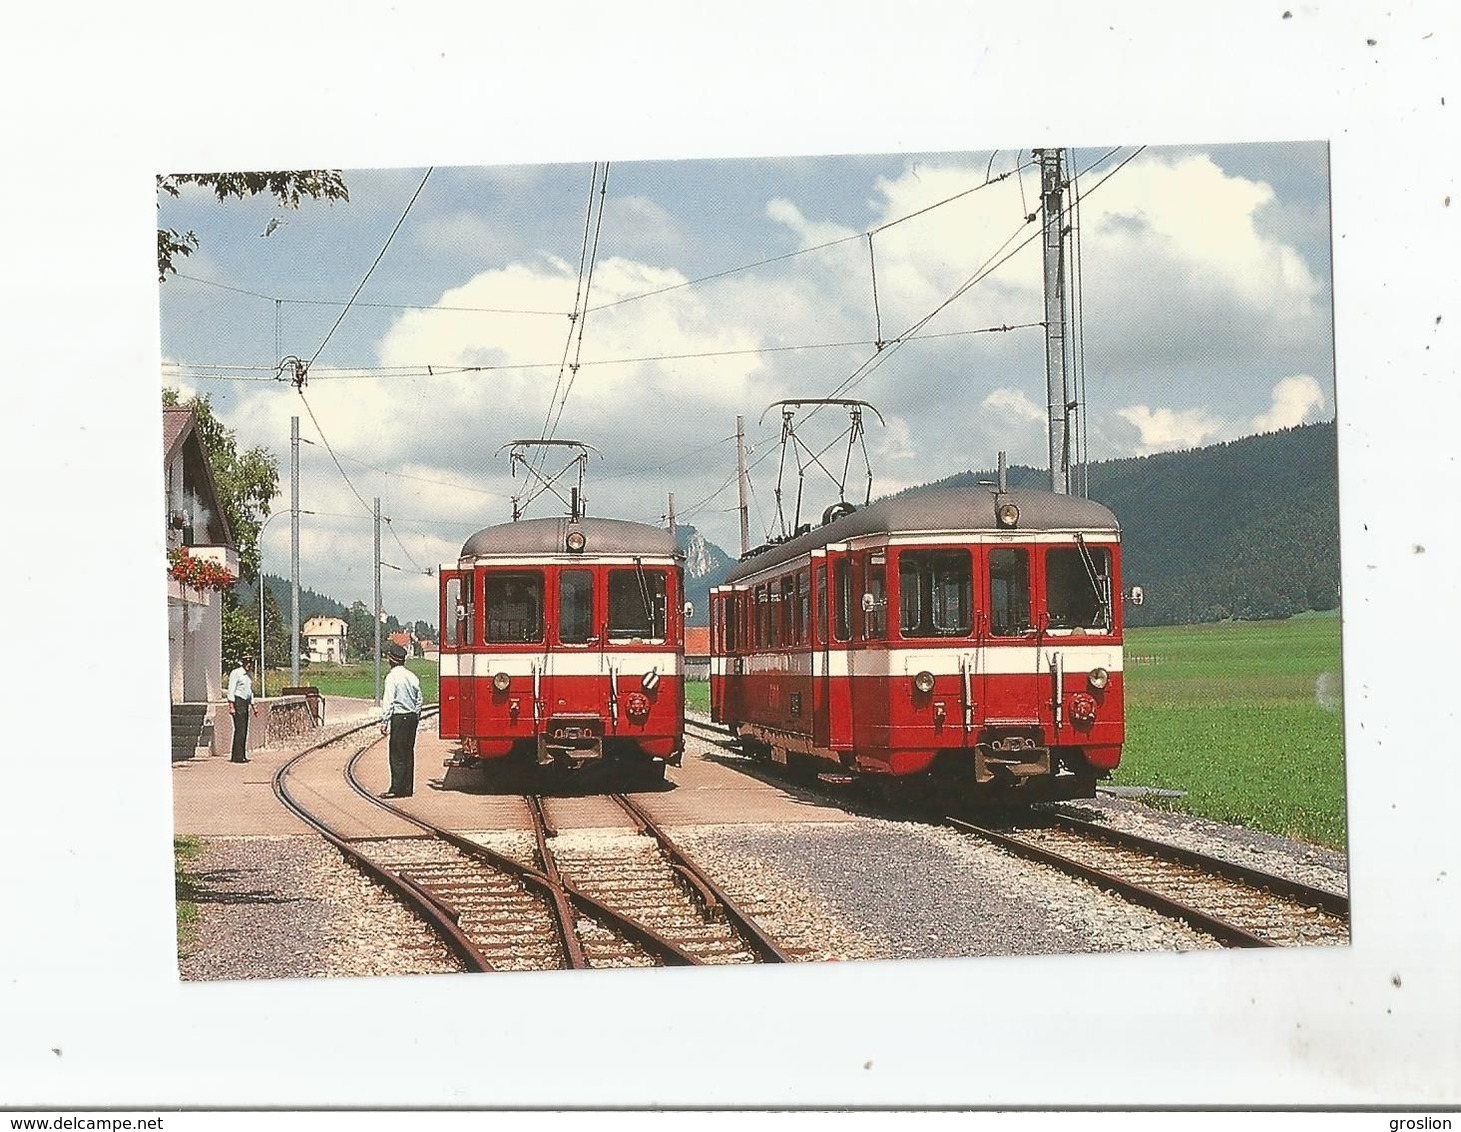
[
  {"x": 357, "y": 680},
  {"x": 1244, "y": 717}
]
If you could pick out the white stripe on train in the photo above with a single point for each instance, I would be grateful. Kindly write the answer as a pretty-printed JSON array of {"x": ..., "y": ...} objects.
[{"x": 559, "y": 663}]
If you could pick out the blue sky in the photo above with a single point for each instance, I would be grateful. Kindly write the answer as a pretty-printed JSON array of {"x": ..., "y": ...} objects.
[{"x": 1207, "y": 316}]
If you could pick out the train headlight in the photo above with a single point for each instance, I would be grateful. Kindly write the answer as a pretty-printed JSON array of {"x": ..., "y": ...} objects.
[
  {"x": 650, "y": 680},
  {"x": 576, "y": 541},
  {"x": 1098, "y": 678},
  {"x": 1007, "y": 514},
  {"x": 924, "y": 682},
  {"x": 501, "y": 680}
]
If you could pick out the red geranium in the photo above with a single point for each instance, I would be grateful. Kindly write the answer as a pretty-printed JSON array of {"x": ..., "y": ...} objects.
[{"x": 199, "y": 573}]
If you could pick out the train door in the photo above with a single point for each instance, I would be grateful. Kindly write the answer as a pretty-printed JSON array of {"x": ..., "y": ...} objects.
[
  {"x": 458, "y": 715},
  {"x": 574, "y": 663},
  {"x": 1011, "y": 691},
  {"x": 722, "y": 625},
  {"x": 837, "y": 676},
  {"x": 820, "y": 653}
]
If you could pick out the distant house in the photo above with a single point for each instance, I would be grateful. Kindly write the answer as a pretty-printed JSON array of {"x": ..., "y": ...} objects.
[
  {"x": 429, "y": 650},
  {"x": 324, "y": 639},
  {"x": 198, "y": 542},
  {"x": 697, "y": 652}
]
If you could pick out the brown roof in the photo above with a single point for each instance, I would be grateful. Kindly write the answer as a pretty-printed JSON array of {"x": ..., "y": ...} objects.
[
  {"x": 697, "y": 640},
  {"x": 175, "y": 422},
  {"x": 402, "y": 639}
]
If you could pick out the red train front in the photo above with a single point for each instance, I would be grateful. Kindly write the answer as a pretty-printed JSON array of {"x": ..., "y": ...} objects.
[
  {"x": 967, "y": 637},
  {"x": 563, "y": 642}
]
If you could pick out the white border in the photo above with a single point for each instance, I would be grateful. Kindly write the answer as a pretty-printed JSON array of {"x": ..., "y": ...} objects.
[{"x": 102, "y": 97}]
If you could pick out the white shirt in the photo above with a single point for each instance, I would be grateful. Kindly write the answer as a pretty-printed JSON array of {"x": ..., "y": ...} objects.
[
  {"x": 239, "y": 685},
  {"x": 401, "y": 694}
]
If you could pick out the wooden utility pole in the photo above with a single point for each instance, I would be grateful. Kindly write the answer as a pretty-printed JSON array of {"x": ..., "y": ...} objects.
[{"x": 672, "y": 514}]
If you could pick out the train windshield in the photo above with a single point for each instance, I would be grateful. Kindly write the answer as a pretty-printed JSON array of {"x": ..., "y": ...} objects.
[
  {"x": 637, "y": 603},
  {"x": 514, "y": 601},
  {"x": 935, "y": 588},
  {"x": 1009, "y": 592},
  {"x": 1077, "y": 585},
  {"x": 575, "y": 606}
]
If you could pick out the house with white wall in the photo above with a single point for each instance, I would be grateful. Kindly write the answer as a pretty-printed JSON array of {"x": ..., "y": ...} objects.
[
  {"x": 194, "y": 525},
  {"x": 324, "y": 639}
]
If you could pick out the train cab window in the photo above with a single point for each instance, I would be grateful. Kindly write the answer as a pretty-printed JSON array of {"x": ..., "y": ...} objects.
[
  {"x": 637, "y": 604},
  {"x": 935, "y": 588},
  {"x": 514, "y": 601},
  {"x": 875, "y": 617},
  {"x": 728, "y": 634},
  {"x": 1009, "y": 591},
  {"x": 575, "y": 607},
  {"x": 1077, "y": 588},
  {"x": 842, "y": 600}
]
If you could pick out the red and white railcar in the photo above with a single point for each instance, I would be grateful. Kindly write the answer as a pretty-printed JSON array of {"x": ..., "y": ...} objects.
[
  {"x": 965, "y": 636},
  {"x": 563, "y": 640}
]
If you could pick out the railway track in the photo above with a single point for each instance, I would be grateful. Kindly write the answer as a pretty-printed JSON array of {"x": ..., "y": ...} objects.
[
  {"x": 637, "y": 904},
  {"x": 1235, "y": 904}
]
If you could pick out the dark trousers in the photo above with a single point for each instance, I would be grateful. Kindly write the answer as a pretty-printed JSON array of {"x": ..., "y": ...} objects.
[
  {"x": 403, "y": 753},
  {"x": 240, "y": 729}
]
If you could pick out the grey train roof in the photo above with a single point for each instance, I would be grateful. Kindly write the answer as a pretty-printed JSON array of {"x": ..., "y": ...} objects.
[
  {"x": 547, "y": 538},
  {"x": 963, "y": 508}
]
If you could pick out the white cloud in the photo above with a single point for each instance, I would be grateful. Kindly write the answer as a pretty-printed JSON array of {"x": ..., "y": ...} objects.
[
  {"x": 1166, "y": 429},
  {"x": 1296, "y": 399},
  {"x": 897, "y": 441},
  {"x": 1014, "y": 402}
]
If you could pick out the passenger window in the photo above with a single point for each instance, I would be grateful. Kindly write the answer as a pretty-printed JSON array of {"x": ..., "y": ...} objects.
[
  {"x": 637, "y": 603},
  {"x": 514, "y": 603},
  {"x": 1009, "y": 592},
  {"x": 789, "y": 609},
  {"x": 1077, "y": 588},
  {"x": 575, "y": 606}
]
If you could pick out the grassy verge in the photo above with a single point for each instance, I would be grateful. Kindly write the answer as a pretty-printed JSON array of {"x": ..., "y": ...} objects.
[
  {"x": 185, "y": 887},
  {"x": 697, "y": 695},
  {"x": 355, "y": 680}
]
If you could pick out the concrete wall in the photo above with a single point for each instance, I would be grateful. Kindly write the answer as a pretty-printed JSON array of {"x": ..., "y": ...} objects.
[{"x": 275, "y": 721}]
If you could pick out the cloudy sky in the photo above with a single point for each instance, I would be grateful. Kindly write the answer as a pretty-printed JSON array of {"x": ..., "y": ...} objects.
[{"x": 718, "y": 287}]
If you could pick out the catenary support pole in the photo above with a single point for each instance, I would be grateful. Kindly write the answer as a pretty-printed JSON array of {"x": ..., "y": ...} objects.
[
  {"x": 741, "y": 482},
  {"x": 1057, "y": 397},
  {"x": 375, "y": 616},
  {"x": 294, "y": 552}
]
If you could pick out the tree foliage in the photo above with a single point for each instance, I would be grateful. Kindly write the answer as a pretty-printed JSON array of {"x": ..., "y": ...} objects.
[
  {"x": 246, "y": 481},
  {"x": 287, "y": 187}
]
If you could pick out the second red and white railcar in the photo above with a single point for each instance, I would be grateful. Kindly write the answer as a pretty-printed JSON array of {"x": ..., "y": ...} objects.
[
  {"x": 967, "y": 637},
  {"x": 563, "y": 640}
]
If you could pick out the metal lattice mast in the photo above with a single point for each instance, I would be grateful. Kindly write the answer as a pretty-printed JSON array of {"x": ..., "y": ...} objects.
[{"x": 1057, "y": 395}]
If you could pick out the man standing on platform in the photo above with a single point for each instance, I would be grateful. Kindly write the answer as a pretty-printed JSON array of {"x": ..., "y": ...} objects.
[
  {"x": 400, "y": 713},
  {"x": 240, "y": 704}
]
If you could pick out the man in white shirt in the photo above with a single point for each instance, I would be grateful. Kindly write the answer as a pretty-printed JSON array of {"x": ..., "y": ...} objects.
[
  {"x": 400, "y": 712},
  {"x": 240, "y": 705}
]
